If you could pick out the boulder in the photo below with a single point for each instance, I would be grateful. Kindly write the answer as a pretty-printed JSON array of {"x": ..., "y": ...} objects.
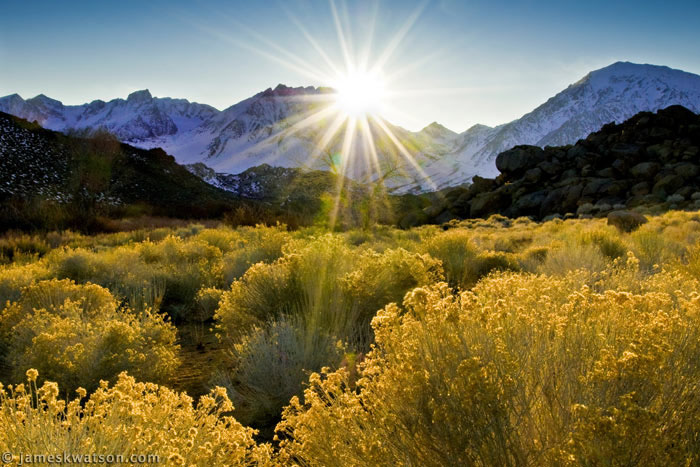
[
  {"x": 686, "y": 170},
  {"x": 607, "y": 172},
  {"x": 678, "y": 113},
  {"x": 615, "y": 188},
  {"x": 585, "y": 209},
  {"x": 434, "y": 209},
  {"x": 413, "y": 219},
  {"x": 553, "y": 202},
  {"x": 445, "y": 217},
  {"x": 489, "y": 203},
  {"x": 515, "y": 161},
  {"x": 675, "y": 199},
  {"x": 667, "y": 186},
  {"x": 626, "y": 221},
  {"x": 660, "y": 152},
  {"x": 530, "y": 203},
  {"x": 551, "y": 217},
  {"x": 461, "y": 205},
  {"x": 533, "y": 175},
  {"x": 481, "y": 184},
  {"x": 645, "y": 170},
  {"x": 640, "y": 189},
  {"x": 550, "y": 168},
  {"x": 596, "y": 185},
  {"x": 576, "y": 152},
  {"x": 620, "y": 166},
  {"x": 625, "y": 150}
]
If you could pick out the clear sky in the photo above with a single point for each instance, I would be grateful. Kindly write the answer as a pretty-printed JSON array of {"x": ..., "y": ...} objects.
[{"x": 461, "y": 62}]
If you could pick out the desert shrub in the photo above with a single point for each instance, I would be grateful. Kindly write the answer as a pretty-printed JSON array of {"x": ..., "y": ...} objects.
[
  {"x": 223, "y": 238},
  {"x": 380, "y": 279},
  {"x": 511, "y": 243},
  {"x": 208, "y": 301},
  {"x": 76, "y": 264},
  {"x": 270, "y": 365},
  {"x": 14, "y": 247},
  {"x": 532, "y": 257},
  {"x": 259, "y": 244},
  {"x": 608, "y": 241},
  {"x": 305, "y": 282},
  {"x": 358, "y": 237},
  {"x": 486, "y": 262},
  {"x": 120, "y": 269},
  {"x": 91, "y": 299},
  {"x": 654, "y": 248},
  {"x": 185, "y": 266},
  {"x": 76, "y": 335},
  {"x": 127, "y": 419},
  {"x": 523, "y": 370},
  {"x": 14, "y": 278},
  {"x": 455, "y": 250},
  {"x": 263, "y": 293},
  {"x": 570, "y": 256}
]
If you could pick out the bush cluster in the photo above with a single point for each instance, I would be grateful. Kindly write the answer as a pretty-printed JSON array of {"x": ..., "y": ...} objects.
[{"x": 482, "y": 342}]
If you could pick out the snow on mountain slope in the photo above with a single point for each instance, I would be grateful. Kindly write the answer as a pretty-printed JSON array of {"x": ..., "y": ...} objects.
[
  {"x": 614, "y": 93},
  {"x": 137, "y": 119},
  {"x": 261, "y": 129}
]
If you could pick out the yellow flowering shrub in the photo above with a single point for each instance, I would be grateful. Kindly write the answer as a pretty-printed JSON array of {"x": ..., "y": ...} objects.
[
  {"x": 522, "y": 370},
  {"x": 76, "y": 335},
  {"x": 129, "y": 418},
  {"x": 382, "y": 278},
  {"x": 14, "y": 278}
]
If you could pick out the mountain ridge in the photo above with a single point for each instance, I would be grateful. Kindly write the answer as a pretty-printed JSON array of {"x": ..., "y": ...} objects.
[{"x": 264, "y": 128}]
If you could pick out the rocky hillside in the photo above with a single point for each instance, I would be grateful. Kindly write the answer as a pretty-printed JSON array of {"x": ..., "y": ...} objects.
[
  {"x": 651, "y": 160},
  {"x": 50, "y": 176},
  {"x": 302, "y": 192}
]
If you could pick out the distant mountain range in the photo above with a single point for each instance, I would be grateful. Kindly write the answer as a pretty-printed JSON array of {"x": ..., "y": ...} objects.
[{"x": 263, "y": 129}]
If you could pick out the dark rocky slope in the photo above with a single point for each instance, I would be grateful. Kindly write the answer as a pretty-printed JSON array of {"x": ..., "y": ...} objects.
[
  {"x": 651, "y": 160},
  {"x": 48, "y": 179}
]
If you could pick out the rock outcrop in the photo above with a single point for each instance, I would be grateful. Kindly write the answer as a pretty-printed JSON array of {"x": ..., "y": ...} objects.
[{"x": 650, "y": 159}]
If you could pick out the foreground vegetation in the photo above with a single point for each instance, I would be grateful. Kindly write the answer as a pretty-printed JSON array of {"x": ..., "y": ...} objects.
[{"x": 484, "y": 342}]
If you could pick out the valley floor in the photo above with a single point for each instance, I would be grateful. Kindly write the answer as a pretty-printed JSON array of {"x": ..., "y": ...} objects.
[{"x": 479, "y": 342}]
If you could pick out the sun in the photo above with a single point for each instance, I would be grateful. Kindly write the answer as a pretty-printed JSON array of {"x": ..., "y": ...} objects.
[{"x": 360, "y": 93}]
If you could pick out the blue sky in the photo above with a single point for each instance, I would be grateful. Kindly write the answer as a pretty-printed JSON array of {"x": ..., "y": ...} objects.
[{"x": 463, "y": 62}]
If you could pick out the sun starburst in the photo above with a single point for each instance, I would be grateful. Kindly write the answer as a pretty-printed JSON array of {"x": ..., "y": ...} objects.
[{"x": 353, "y": 139}]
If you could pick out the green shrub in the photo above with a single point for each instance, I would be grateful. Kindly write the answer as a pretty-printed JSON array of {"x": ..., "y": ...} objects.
[
  {"x": 572, "y": 256},
  {"x": 455, "y": 250},
  {"x": 607, "y": 240},
  {"x": 269, "y": 366}
]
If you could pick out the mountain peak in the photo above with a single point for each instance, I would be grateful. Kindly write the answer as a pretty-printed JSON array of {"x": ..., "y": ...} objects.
[
  {"x": 282, "y": 90},
  {"x": 435, "y": 129},
  {"x": 140, "y": 96},
  {"x": 628, "y": 72},
  {"x": 43, "y": 99},
  {"x": 13, "y": 97}
]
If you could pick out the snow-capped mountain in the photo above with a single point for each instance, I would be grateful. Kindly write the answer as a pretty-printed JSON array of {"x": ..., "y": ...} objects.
[
  {"x": 138, "y": 119},
  {"x": 283, "y": 126},
  {"x": 610, "y": 94}
]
